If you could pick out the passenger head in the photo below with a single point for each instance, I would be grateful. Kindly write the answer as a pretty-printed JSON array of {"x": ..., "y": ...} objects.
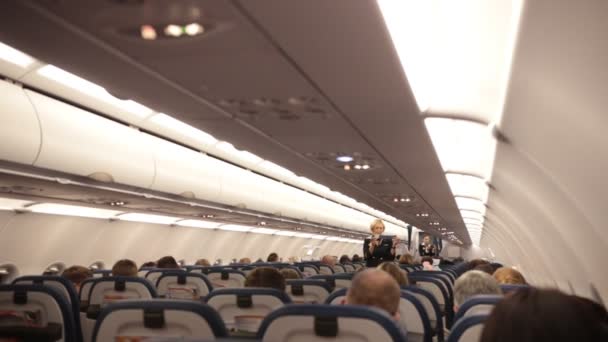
[
  {"x": 266, "y": 277},
  {"x": 290, "y": 273},
  {"x": 377, "y": 227},
  {"x": 406, "y": 259},
  {"x": 427, "y": 263},
  {"x": 485, "y": 268},
  {"x": 148, "y": 264},
  {"x": 344, "y": 259},
  {"x": 427, "y": 240},
  {"x": 375, "y": 288},
  {"x": 533, "y": 314},
  {"x": 476, "y": 262},
  {"x": 77, "y": 274},
  {"x": 167, "y": 262},
  {"x": 396, "y": 272},
  {"x": 328, "y": 260},
  {"x": 474, "y": 283},
  {"x": 356, "y": 258},
  {"x": 508, "y": 275},
  {"x": 272, "y": 257},
  {"x": 125, "y": 267},
  {"x": 202, "y": 262},
  {"x": 245, "y": 261}
]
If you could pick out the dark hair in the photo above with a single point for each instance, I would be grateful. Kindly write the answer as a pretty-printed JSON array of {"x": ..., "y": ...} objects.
[
  {"x": 344, "y": 259},
  {"x": 266, "y": 277},
  {"x": 76, "y": 274},
  {"x": 356, "y": 258},
  {"x": 167, "y": 262},
  {"x": 532, "y": 314},
  {"x": 485, "y": 268},
  {"x": 426, "y": 258},
  {"x": 272, "y": 257},
  {"x": 476, "y": 262},
  {"x": 125, "y": 267},
  {"x": 148, "y": 264}
]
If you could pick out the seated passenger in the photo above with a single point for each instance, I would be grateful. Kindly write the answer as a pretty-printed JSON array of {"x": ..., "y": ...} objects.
[
  {"x": 356, "y": 258},
  {"x": 344, "y": 259},
  {"x": 328, "y": 260},
  {"x": 406, "y": 259},
  {"x": 272, "y": 257},
  {"x": 148, "y": 264},
  {"x": 77, "y": 274},
  {"x": 473, "y": 283},
  {"x": 289, "y": 273},
  {"x": 534, "y": 314},
  {"x": 245, "y": 261},
  {"x": 508, "y": 275},
  {"x": 427, "y": 264},
  {"x": 202, "y": 262},
  {"x": 485, "y": 268},
  {"x": 476, "y": 262},
  {"x": 396, "y": 272},
  {"x": 265, "y": 277},
  {"x": 124, "y": 267},
  {"x": 167, "y": 262}
]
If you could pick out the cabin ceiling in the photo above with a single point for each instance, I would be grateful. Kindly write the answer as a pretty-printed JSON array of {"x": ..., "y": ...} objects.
[{"x": 279, "y": 79}]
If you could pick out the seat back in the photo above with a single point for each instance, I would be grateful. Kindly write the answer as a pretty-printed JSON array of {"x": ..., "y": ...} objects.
[
  {"x": 35, "y": 312},
  {"x": 414, "y": 317},
  {"x": 324, "y": 269},
  {"x": 468, "y": 329},
  {"x": 226, "y": 278},
  {"x": 102, "y": 273},
  {"x": 182, "y": 285},
  {"x": 336, "y": 281},
  {"x": 111, "y": 289},
  {"x": 61, "y": 285},
  {"x": 155, "y": 318},
  {"x": 349, "y": 268},
  {"x": 244, "y": 309},
  {"x": 438, "y": 288},
  {"x": 308, "y": 270},
  {"x": 477, "y": 305},
  {"x": 432, "y": 308},
  {"x": 337, "y": 297},
  {"x": 153, "y": 274},
  {"x": 338, "y": 268},
  {"x": 309, "y": 322},
  {"x": 358, "y": 265},
  {"x": 507, "y": 288},
  {"x": 307, "y": 291}
]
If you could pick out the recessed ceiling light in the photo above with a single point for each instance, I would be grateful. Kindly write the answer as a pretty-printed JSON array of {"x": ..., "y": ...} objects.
[
  {"x": 407, "y": 199},
  {"x": 344, "y": 159},
  {"x": 358, "y": 167},
  {"x": 395, "y": 200},
  {"x": 148, "y": 32},
  {"x": 173, "y": 30},
  {"x": 346, "y": 167},
  {"x": 365, "y": 167},
  {"x": 263, "y": 223},
  {"x": 194, "y": 29}
]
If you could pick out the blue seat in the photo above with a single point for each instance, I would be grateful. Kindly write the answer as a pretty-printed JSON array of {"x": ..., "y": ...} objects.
[
  {"x": 336, "y": 297},
  {"x": 64, "y": 287},
  {"x": 440, "y": 289},
  {"x": 325, "y": 269},
  {"x": 310, "y": 322},
  {"x": 207, "y": 269},
  {"x": 338, "y": 268},
  {"x": 158, "y": 317},
  {"x": 415, "y": 318},
  {"x": 102, "y": 273},
  {"x": 290, "y": 267},
  {"x": 336, "y": 281},
  {"x": 36, "y": 312},
  {"x": 153, "y": 274},
  {"x": 432, "y": 308},
  {"x": 308, "y": 269},
  {"x": 226, "y": 278},
  {"x": 468, "y": 329},
  {"x": 507, "y": 288},
  {"x": 307, "y": 291},
  {"x": 243, "y": 309},
  {"x": 476, "y": 305},
  {"x": 183, "y": 285}
]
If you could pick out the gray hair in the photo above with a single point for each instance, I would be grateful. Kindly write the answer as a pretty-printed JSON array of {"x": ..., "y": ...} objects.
[{"x": 474, "y": 283}]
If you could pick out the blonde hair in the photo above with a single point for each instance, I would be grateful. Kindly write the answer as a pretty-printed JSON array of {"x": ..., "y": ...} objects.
[
  {"x": 374, "y": 223},
  {"x": 125, "y": 267},
  {"x": 395, "y": 272},
  {"x": 507, "y": 275},
  {"x": 406, "y": 259}
]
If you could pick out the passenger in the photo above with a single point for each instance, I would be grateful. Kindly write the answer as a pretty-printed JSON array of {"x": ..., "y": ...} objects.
[
  {"x": 290, "y": 273},
  {"x": 427, "y": 247},
  {"x": 148, "y": 264},
  {"x": 77, "y": 274},
  {"x": 202, "y": 262},
  {"x": 167, "y": 262},
  {"x": 245, "y": 261},
  {"x": 125, "y": 267},
  {"x": 545, "y": 315},
  {"x": 265, "y": 277},
  {"x": 508, "y": 275},
  {"x": 476, "y": 262},
  {"x": 396, "y": 272},
  {"x": 272, "y": 257},
  {"x": 485, "y": 268},
  {"x": 356, "y": 258},
  {"x": 376, "y": 288},
  {"x": 406, "y": 259},
  {"x": 473, "y": 283},
  {"x": 427, "y": 264},
  {"x": 495, "y": 266},
  {"x": 344, "y": 259},
  {"x": 328, "y": 260}
]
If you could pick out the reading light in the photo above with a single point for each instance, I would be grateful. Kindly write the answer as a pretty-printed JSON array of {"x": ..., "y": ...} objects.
[
  {"x": 365, "y": 166},
  {"x": 183, "y": 128},
  {"x": 198, "y": 224},
  {"x": 347, "y": 167},
  {"x": 15, "y": 56},
  {"x": 12, "y": 204},
  {"x": 344, "y": 159},
  {"x": 173, "y": 30},
  {"x": 72, "y": 210},
  {"x": 148, "y": 32},
  {"x": 148, "y": 218},
  {"x": 358, "y": 167},
  {"x": 194, "y": 29}
]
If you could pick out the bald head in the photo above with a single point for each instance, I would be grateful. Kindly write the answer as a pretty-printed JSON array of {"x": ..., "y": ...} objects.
[
  {"x": 376, "y": 288},
  {"x": 329, "y": 260}
]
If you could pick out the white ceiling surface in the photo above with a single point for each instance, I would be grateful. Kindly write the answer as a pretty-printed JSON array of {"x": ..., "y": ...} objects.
[
  {"x": 548, "y": 211},
  {"x": 365, "y": 109}
]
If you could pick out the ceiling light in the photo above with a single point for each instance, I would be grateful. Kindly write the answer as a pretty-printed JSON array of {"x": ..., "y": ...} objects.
[
  {"x": 264, "y": 231},
  {"x": 194, "y": 29},
  {"x": 468, "y": 186},
  {"x": 333, "y": 238},
  {"x": 72, "y": 210},
  {"x": 148, "y": 32},
  {"x": 173, "y": 30},
  {"x": 15, "y": 56},
  {"x": 344, "y": 159},
  {"x": 198, "y": 224},
  {"x": 357, "y": 166},
  {"x": 262, "y": 223},
  {"x": 473, "y": 214},
  {"x": 284, "y": 233},
  {"x": 117, "y": 203},
  {"x": 235, "y": 228},
  {"x": 365, "y": 166},
  {"x": 11, "y": 204},
  {"x": 318, "y": 237},
  {"x": 183, "y": 128},
  {"x": 89, "y": 88},
  {"x": 303, "y": 235},
  {"x": 395, "y": 200},
  {"x": 347, "y": 167},
  {"x": 465, "y": 203},
  {"x": 148, "y": 218}
]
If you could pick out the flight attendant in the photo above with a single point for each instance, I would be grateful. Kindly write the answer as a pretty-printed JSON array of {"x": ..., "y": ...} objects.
[
  {"x": 376, "y": 248},
  {"x": 427, "y": 248}
]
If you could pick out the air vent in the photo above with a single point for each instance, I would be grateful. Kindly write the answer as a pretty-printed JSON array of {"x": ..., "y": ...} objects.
[
  {"x": 265, "y": 108},
  {"x": 347, "y": 161}
]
